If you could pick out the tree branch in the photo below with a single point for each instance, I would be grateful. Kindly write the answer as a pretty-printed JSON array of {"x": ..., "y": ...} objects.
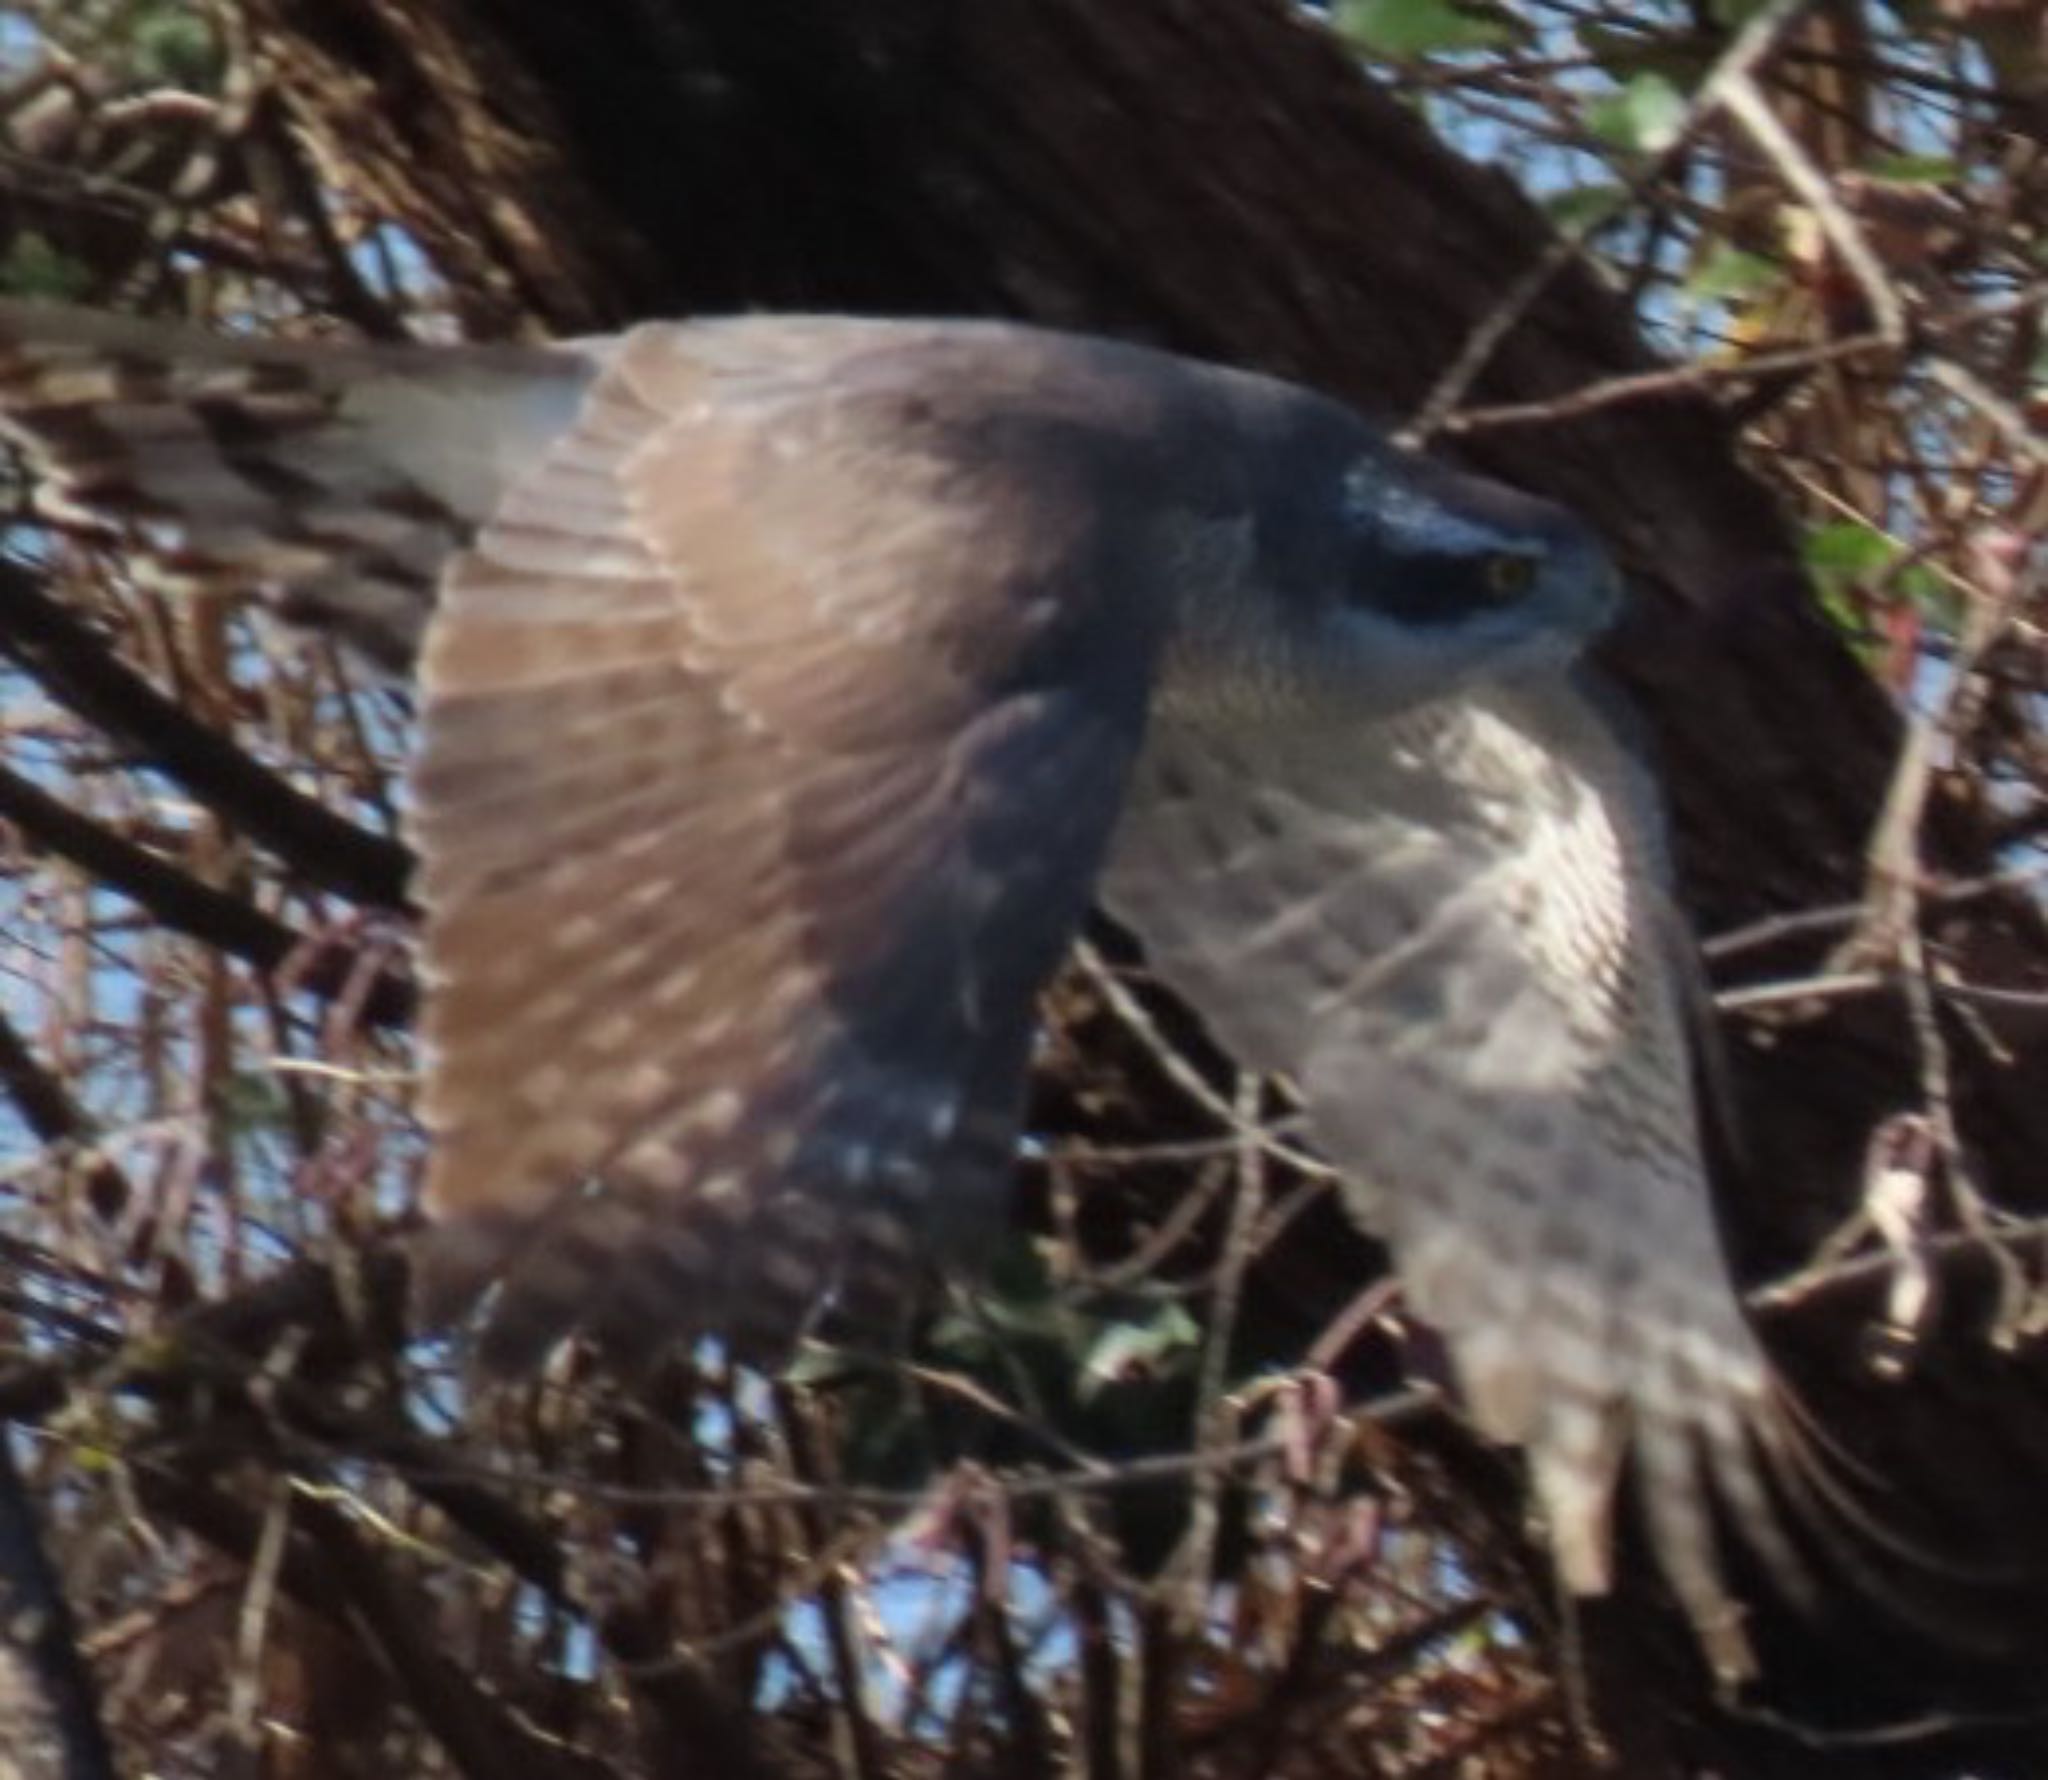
[
  {"x": 327, "y": 1568},
  {"x": 62, "y": 1732},
  {"x": 197, "y": 910},
  {"x": 75, "y": 666}
]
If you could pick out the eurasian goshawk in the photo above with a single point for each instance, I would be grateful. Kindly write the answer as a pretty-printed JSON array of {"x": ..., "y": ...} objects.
[{"x": 789, "y": 689}]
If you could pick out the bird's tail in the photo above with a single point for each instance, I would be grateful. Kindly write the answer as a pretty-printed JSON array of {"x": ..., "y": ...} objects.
[{"x": 330, "y": 480}]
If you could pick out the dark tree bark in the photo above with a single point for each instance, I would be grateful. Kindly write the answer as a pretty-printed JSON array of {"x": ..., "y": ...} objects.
[{"x": 1219, "y": 177}]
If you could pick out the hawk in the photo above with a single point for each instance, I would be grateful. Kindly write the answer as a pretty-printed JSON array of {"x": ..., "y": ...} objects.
[{"x": 788, "y": 690}]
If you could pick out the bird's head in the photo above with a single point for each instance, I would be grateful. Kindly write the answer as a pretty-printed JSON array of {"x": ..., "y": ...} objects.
[
  {"x": 1370, "y": 579},
  {"x": 1448, "y": 576}
]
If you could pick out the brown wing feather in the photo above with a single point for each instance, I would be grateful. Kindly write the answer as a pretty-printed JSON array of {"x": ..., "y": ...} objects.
[{"x": 773, "y": 730}]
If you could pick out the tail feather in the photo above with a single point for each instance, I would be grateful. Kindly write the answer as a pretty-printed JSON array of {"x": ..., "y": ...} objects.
[{"x": 331, "y": 481}]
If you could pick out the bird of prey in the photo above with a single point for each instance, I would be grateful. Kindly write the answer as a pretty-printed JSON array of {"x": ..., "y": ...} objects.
[{"x": 788, "y": 689}]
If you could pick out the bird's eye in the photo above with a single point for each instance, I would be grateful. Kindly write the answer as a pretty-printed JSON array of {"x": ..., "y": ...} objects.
[{"x": 1509, "y": 574}]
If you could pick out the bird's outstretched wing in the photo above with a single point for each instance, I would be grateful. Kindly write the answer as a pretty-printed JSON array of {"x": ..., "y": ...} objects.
[
  {"x": 781, "y": 682},
  {"x": 1449, "y": 932},
  {"x": 773, "y": 731}
]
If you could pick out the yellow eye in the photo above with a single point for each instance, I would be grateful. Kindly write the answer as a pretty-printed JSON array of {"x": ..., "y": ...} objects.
[{"x": 1509, "y": 576}]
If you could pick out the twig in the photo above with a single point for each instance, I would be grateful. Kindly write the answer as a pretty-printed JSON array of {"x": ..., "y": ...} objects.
[
  {"x": 48, "y": 1109},
  {"x": 1183, "y": 1074},
  {"x": 1822, "y": 1278},
  {"x": 1023, "y": 1711},
  {"x": 1833, "y": 986},
  {"x": 186, "y": 905},
  {"x": 1967, "y": 387},
  {"x": 1215, "y": 1415},
  {"x": 1937, "y": 1088},
  {"x": 77, "y": 669},
  {"x": 863, "y": 1759},
  {"x": 252, "y": 1623},
  {"x": 39, "y": 1647},
  {"x": 1096, "y": 1476},
  {"x": 1751, "y": 45},
  {"x": 1693, "y": 379},
  {"x": 1773, "y": 928},
  {"x": 1742, "y": 101},
  {"x": 1100, "y": 1665},
  {"x": 325, "y": 1567},
  {"x": 1159, "y": 1651}
]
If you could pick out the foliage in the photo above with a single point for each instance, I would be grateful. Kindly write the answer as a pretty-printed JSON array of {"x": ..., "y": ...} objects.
[{"x": 1410, "y": 29}]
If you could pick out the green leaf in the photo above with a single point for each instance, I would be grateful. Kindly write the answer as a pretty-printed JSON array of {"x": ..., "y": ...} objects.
[
  {"x": 1847, "y": 552},
  {"x": 1404, "y": 30},
  {"x": 1849, "y": 622},
  {"x": 1917, "y": 169},
  {"x": 1643, "y": 117},
  {"x": 1127, "y": 1352},
  {"x": 1735, "y": 13},
  {"x": 1586, "y": 206},
  {"x": 1727, "y": 272},
  {"x": 1936, "y": 599}
]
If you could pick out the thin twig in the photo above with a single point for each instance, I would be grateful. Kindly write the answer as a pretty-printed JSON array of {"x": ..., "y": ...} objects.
[
  {"x": 1751, "y": 45},
  {"x": 1215, "y": 1416},
  {"x": 1741, "y": 99},
  {"x": 185, "y": 904},
  {"x": 859, "y": 1747},
  {"x": 75, "y": 666},
  {"x": 56, "y": 1728},
  {"x": 252, "y": 1622},
  {"x": 1131, "y": 1012},
  {"x": 1695, "y": 379}
]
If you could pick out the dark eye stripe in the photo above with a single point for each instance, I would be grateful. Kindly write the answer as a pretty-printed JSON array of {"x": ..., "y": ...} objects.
[{"x": 1439, "y": 588}]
